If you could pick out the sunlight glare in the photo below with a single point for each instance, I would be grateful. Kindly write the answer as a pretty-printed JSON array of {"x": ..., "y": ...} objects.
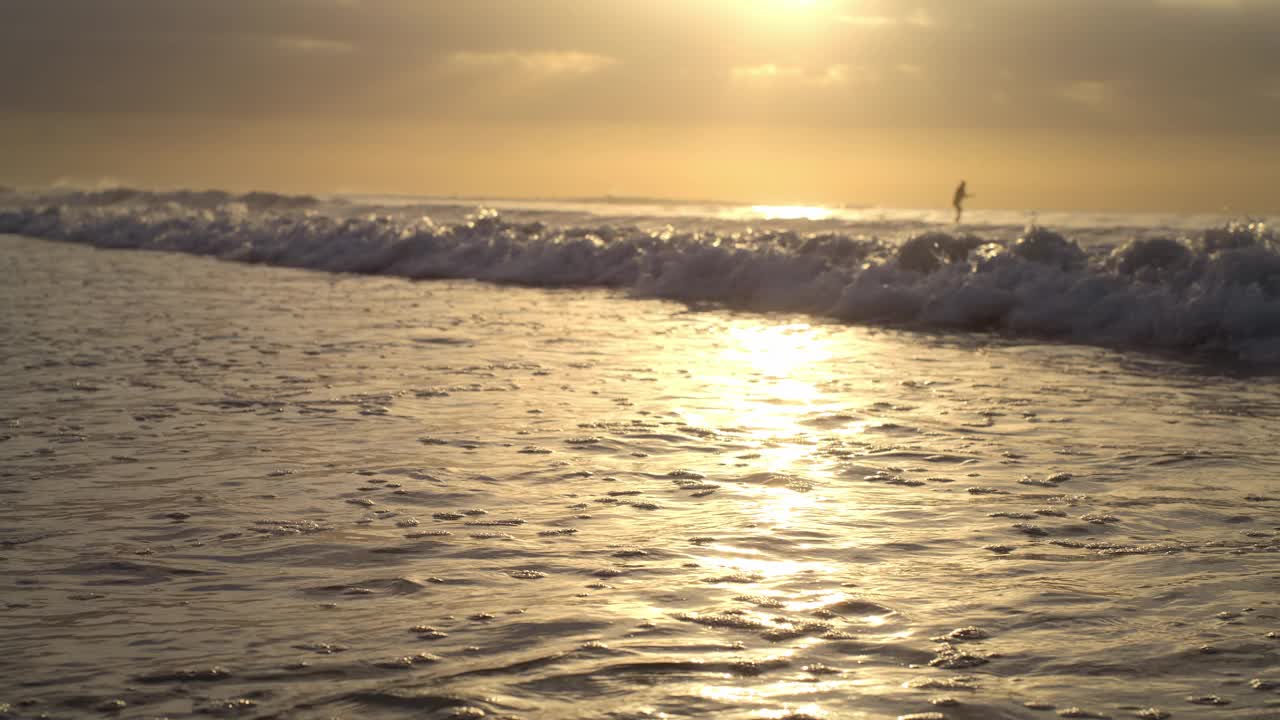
[
  {"x": 792, "y": 6},
  {"x": 731, "y": 560},
  {"x": 777, "y": 350},
  {"x": 781, "y": 507},
  {"x": 820, "y": 601},
  {"x": 792, "y": 212}
]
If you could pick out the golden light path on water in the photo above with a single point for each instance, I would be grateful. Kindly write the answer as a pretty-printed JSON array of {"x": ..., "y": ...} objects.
[
  {"x": 767, "y": 383},
  {"x": 769, "y": 379},
  {"x": 791, "y": 212}
]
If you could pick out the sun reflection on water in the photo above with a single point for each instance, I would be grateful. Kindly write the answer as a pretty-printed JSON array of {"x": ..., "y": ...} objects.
[
  {"x": 820, "y": 601},
  {"x": 769, "y": 377},
  {"x": 732, "y": 559},
  {"x": 773, "y": 385},
  {"x": 776, "y": 350},
  {"x": 738, "y": 694},
  {"x": 792, "y": 212},
  {"x": 779, "y": 507},
  {"x": 734, "y": 694},
  {"x": 770, "y": 382}
]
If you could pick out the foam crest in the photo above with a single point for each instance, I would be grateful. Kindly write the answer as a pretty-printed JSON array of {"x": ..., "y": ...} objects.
[{"x": 1218, "y": 292}]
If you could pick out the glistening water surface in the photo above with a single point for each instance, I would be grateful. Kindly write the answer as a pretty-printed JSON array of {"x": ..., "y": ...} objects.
[{"x": 246, "y": 491}]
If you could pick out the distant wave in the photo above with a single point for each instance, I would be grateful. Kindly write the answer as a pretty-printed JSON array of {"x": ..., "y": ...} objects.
[
  {"x": 1217, "y": 292},
  {"x": 196, "y": 199}
]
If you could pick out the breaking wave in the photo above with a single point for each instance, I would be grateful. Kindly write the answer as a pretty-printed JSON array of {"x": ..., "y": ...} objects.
[{"x": 1218, "y": 292}]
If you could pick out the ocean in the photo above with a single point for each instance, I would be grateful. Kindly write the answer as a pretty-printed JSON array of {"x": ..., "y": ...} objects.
[{"x": 384, "y": 457}]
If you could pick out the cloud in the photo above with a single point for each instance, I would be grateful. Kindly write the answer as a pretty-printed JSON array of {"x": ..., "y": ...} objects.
[
  {"x": 539, "y": 63},
  {"x": 339, "y": 3},
  {"x": 918, "y": 18},
  {"x": 1089, "y": 93},
  {"x": 770, "y": 72},
  {"x": 763, "y": 72},
  {"x": 1205, "y": 4},
  {"x": 105, "y": 182},
  {"x": 868, "y": 21},
  {"x": 311, "y": 45}
]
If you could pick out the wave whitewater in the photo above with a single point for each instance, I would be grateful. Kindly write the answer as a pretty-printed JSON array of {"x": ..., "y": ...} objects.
[{"x": 1218, "y": 293}]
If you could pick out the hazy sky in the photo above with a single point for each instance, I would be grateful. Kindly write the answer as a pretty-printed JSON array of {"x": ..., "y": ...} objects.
[{"x": 1039, "y": 104}]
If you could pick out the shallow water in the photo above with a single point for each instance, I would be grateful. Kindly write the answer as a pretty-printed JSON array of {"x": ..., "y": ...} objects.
[{"x": 248, "y": 491}]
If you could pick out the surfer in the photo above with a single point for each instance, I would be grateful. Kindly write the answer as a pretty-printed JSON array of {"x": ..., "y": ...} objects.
[{"x": 958, "y": 200}]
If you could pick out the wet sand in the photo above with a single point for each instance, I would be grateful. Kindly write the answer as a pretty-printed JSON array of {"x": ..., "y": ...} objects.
[{"x": 247, "y": 491}]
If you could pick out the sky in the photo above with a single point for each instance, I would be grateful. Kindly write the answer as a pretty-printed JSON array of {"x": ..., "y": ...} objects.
[{"x": 1159, "y": 105}]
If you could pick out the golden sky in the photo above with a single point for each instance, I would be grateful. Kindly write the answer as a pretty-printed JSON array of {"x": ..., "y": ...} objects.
[{"x": 1039, "y": 104}]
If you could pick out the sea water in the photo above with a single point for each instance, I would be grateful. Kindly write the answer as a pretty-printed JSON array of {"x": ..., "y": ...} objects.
[{"x": 673, "y": 463}]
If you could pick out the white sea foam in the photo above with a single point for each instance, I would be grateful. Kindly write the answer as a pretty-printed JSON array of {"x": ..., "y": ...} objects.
[{"x": 1216, "y": 290}]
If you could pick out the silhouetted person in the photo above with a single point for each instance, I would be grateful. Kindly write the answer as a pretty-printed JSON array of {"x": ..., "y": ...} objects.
[{"x": 958, "y": 200}]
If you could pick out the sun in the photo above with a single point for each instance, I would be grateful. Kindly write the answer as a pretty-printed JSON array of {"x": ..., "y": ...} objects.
[
  {"x": 787, "y": 10},
  {"x": 792, "y": 7}
]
